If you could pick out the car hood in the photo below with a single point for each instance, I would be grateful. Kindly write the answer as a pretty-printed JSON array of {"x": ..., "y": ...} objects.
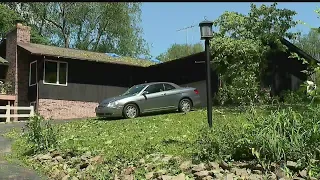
[{"x": 116, "y": 98}]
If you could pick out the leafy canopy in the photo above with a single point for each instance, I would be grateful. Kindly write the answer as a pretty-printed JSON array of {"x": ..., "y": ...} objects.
[
  {"x": 8, "y": 19},
  {"x": 94, "y": 26},
  {"x": 177, "y": 51},
  {"x": 241, "y": 47}
]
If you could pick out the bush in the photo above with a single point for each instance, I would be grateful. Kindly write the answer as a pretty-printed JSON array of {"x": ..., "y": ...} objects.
[
  {"x": 283, "y": 135},
  {"x": 40, "y": 134}
]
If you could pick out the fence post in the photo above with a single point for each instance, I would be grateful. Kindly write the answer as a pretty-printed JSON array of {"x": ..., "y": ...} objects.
[
  {"x": 8, "y": 113},
  {"x": 32, "y": 111}
]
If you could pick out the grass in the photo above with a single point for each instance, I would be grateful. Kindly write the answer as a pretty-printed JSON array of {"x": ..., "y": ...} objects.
[{"x": 264, "y": 134}]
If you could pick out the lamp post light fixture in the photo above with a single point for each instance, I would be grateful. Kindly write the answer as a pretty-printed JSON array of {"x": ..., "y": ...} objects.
[{"x": 207, "y": 34}]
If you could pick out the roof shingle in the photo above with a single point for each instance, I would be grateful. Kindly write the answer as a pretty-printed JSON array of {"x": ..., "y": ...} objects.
[{"x": 40, "y": 49}]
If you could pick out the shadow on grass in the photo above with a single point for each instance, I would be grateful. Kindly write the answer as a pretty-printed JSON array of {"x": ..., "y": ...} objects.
[{"x": 142, "y": 115}]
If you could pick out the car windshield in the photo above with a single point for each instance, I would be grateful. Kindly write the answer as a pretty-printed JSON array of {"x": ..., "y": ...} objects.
[{"x": 134, "y": 90}]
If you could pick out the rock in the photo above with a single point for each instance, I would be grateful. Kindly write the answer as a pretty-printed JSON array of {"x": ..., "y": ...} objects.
[
  {"x": 116, "y": 177},
  {"x": 129, "y": 170},
  {"x": 181, "y": 176},
  {"x": 272, "y": 176},
  {"x": 255, "y": 177},
  {"x": 279, "y": 173},
  {"x": 218, "y": 176},
  {"x": 74, "y": 178},
  {"x": 298, "y": 178},
  {"x": 292, "y": 165},
  {"x": 44, "y": 157},
  {"x": 207, "y": 178},
  {"x": 66, "y": 177},
  {"x": 59, "y": 158},
  {"x": 229, "y": 176},
  {"x": 55, "y": 154},
  {"x": 96, "y": 160},
  {"x": 149, "y": 175},
  {"x": 142, "y": 161},
  {"x": 161, "y": 172},
  {"x": 201, "y": 174},
  {"x": 199, "y": 167},
  {"x": 240, "y": 172},
  {"x": 257, "y": 171},
  {"x": 214, "y": 165},
  {"x": 303, "y": 173},
  {"x": 224, "y": 165},
  {"x": 166, "y": 177},
  {"x": 166, "y": 158},
  {"x": 185, "y": 165},
  {"x": 129, "y": 177}
]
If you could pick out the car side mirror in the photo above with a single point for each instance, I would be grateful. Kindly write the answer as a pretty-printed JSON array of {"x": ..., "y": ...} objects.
[{"x": 145, "y": 92}]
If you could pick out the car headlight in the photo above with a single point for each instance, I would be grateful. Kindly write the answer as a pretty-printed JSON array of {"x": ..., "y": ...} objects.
[{"x": 113, "y": 104}]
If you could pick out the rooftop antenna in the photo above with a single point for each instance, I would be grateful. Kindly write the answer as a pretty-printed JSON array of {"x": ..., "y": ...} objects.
[{"x": 186, "y": 29}]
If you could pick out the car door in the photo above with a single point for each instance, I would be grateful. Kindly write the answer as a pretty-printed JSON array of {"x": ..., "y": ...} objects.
[
  {"x": 172, "y": 96},
  {"x": 154, "y": 99}
]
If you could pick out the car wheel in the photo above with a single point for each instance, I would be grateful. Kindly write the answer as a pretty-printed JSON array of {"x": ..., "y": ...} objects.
[
  {"x": 130, "y": 111},
  {"x": 185, "y": 105}
]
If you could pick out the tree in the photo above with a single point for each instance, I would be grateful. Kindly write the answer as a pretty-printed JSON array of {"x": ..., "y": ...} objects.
[
  {"x": 180, "y": 50},
  {"x": 241, "y": 46},
  {"x": 100, "y": 27},
  {"x": 8, "y": 19}
]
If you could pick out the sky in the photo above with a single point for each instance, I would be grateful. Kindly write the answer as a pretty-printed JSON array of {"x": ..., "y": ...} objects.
[{"x": 161, "y": 21}]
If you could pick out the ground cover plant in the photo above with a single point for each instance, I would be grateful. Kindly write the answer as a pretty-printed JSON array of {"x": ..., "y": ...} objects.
[{"x": 276, "y": 139}]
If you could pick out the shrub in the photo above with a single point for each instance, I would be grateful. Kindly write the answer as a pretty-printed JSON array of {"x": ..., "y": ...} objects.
[
  {"x": 283, "y": 135},
  {"x": 40, "y": 134}
]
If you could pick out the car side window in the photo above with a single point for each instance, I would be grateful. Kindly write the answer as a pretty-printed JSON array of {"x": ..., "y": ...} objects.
[
  {"x": 168, "y": 87},
  {"x": 155, "y": 88}
]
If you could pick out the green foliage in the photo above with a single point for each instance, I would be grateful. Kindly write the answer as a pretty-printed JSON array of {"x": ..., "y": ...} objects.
[
  {"x": 242, "y": 45},
  {"x": 177, "y": 51},
  {"x": 283, "y": 135},
  {"x": 7, "y": 20},
  {"x": 94, "y": 26},
  {"x": 40, "y": 134}
]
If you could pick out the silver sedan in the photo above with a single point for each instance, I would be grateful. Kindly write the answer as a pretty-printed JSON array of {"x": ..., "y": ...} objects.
[{"x": 149, "y": 97}]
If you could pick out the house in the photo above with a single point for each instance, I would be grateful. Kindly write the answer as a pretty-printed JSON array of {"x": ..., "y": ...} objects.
[{"x": 65, "y": 83}]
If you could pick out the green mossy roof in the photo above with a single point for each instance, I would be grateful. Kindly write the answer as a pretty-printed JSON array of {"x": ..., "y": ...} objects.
[{"x": 82, "y": 55}]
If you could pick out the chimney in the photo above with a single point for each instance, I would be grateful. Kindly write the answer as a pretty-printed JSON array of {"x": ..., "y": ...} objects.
[{"x": 20, "y": 34}]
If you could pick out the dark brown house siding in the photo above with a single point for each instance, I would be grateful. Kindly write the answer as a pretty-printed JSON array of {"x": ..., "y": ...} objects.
[{"x": 89, "y": 81}]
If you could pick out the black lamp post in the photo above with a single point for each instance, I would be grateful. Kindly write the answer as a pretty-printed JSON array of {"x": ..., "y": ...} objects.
[{"x": 207, "y": 34}]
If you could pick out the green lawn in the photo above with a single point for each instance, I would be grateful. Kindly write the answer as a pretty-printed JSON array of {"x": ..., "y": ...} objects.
[
  {"x": 173, "y": 133},
  {"x": 262, "y": 134}
]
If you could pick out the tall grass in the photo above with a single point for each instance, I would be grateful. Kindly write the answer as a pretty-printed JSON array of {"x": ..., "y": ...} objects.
[{"x": 283, "y": 135}]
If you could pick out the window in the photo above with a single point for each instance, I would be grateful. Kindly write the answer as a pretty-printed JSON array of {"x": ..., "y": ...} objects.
[
  {"x": 33, "y": 73},
  {"x": 154, "y": 88},
  {"x": 168, "y": 87},
  {"x": 55, "y": 72}
]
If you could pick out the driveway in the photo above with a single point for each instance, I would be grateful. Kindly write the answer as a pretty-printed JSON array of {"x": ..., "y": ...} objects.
[{"x": 13, "y": 171}]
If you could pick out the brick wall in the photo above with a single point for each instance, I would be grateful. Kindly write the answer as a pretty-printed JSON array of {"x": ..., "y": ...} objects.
[
  {"x": 63, "y": 109},
  {"x": 18, "y": 69}
]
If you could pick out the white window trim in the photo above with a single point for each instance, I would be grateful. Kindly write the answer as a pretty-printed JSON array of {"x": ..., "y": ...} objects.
[
  {"x": 30, "y": 73},
  {"x": 58, "y": 68}
]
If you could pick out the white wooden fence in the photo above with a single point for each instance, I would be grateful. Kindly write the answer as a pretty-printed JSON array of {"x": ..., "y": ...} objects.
[{"x": 8, "y": 114}]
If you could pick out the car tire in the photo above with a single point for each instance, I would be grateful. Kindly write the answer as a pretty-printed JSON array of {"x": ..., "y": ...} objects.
[
  {"x": 185, "y": 105},
  {"x": 130, "y": 111}
]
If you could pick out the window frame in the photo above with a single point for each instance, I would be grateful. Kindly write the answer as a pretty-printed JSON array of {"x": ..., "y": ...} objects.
[
  {"x": 164, "y": 85},
  {"x": 30, "y": 64},
  {"x": 58, "y": 71},
  {"x": 154, "y": 85}
]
